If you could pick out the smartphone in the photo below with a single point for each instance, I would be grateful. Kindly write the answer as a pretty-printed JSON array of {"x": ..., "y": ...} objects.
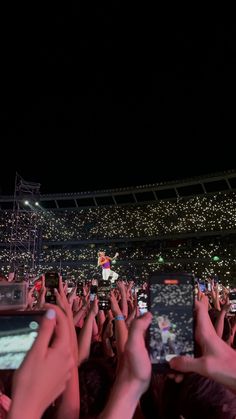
[
  {"x": 142, "y": 298},
  {"x": 80, "y": 288},
  {"x": 104, "y": 288},
  {"x": 18, "y": 331},
  {"x": 202, "y": 286},
  {"x": 51, "y": 282},
  {"x": 13, "y": 295},
  {"x": 171, "y": 333},
  {"x": 232, "y": 300},
  {"x": 93, "y": 292},
  {"x": 201, "y": 283}
]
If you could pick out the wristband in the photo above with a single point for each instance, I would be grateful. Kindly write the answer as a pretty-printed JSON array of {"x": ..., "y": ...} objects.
[{"x": 120, "y": 317}]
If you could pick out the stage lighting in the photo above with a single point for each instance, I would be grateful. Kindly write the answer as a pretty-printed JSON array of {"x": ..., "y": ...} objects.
[
  {"x": 37, "y": 204},
  {"x": 26, "y": 202}
]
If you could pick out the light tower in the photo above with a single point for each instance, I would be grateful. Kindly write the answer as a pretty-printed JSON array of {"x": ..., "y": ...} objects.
[{"x": 25, "y": 239}]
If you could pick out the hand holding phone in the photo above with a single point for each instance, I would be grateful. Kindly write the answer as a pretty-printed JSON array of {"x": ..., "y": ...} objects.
[
  {"x": 171, "y": 302},
  {"x": 217, "y": 360},
  {"x": 51, "y": 282},
  {"x": 50, "y": 361}
]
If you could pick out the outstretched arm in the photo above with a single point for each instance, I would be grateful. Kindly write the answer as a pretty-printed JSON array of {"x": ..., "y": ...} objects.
[
  {"x": 114, "y": 257},
  {"x": 85, "y": 337},
  {"x": 132, "y": 381}
]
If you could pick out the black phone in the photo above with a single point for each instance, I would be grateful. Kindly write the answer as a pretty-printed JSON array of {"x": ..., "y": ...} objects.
[
  {"x": 18, "y": 331},
  {"x": 80, "y": 288},
  {"x": 104, "y": 288},
  {"x": 51, "y": 282},
  {"x": 93, "y": 292},
  {"x": 171, "y": 333},
  {"x": 232, "y": 300},
  {"x": 13, "y": 295}
]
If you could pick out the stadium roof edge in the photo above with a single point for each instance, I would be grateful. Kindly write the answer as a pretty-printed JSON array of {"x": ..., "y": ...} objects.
[{"x": 197, "y": 180}]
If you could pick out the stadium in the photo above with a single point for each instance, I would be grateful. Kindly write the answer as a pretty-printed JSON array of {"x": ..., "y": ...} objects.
[{"x": 187, "y": 225}]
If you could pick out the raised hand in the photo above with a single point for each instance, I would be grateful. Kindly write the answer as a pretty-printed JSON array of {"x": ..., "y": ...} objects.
[
  {"x": 45, "y": 370},
  {"x": 218, "y": 359},
  {"x": 134, "y": 374}
]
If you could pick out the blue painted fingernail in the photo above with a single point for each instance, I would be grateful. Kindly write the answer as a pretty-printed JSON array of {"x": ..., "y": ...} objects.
[{"x": 51, "y": 314}]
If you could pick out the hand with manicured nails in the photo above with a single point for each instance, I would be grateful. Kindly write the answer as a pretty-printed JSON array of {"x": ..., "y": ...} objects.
[{"x": 43, "y": 375}]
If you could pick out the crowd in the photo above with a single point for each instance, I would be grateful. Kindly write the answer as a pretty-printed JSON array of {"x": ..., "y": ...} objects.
[
  {"x": 138, "y": 259},
  {"x": 89, "y": 363},
  {"x": 197, "y": 214}
]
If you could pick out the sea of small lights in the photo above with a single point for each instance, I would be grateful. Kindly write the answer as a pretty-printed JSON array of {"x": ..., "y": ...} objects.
[{"x": 199, "y": 214}]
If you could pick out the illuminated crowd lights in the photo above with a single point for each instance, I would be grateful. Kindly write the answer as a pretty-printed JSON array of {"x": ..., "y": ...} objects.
[
  {"x": 198, "y": 214},
  {"x": 142, "y": 259},
  {"x": 210, "y": 213}
]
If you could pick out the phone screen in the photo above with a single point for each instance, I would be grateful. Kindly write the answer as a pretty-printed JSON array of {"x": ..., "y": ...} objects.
[
  {"x": 202, "y": 287},
  {"x": 142, "y": 298},
  {"x": 13, "y": 296},
  {"x": 104, "y": 288},
  {"x": 171, "y": 333},
  {"x": 18, "y": 332},
  {"x": 232, "y": 300},
  {"x": 80, "y": 288},
  {"x": 51, "y": 282}
]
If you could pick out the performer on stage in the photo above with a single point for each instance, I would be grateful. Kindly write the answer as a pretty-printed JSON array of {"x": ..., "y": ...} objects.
[
  {"x": 105, "y": 262},
  {"x": 167, "y": 336}
]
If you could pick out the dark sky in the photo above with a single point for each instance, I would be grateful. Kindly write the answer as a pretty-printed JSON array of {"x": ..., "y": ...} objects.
[{"x": 102, "y": 97}]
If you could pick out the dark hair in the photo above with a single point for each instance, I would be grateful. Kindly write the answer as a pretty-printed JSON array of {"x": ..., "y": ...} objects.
[
  {"x": 96, "y": 378},
  {"x": 198, "y": 397}
]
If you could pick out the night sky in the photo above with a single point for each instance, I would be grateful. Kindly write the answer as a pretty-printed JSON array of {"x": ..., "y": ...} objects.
[{"x": 103, "y": 97}]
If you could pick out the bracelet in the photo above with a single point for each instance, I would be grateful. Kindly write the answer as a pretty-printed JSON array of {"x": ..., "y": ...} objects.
[{"x": 120, "y": 317}]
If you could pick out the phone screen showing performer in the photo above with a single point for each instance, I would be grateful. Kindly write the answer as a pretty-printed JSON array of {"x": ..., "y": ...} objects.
[
  {"x": 51, "y": 282},
  {"x": 232, "y": 300},
  {"x": 171, "y": 333},
  {"x": 104, "y": 288},
  {"x": 142, "y": 298}
]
